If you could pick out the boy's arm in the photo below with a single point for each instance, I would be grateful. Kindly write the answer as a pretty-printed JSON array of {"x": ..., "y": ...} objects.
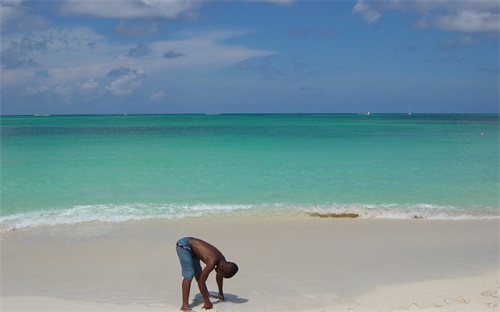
[
  {"x": 203, "y": 287},
  {"x": 219, "y": 278}
]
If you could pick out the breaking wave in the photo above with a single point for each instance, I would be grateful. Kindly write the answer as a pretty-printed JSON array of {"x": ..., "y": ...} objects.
[{"x": 143, "y": 211}]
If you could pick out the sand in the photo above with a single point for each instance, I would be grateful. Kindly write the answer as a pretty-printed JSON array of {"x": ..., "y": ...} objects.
[{"x": 300, "y": 264}]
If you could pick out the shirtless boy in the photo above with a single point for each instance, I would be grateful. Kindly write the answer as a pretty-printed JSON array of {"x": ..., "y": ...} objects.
[{"x": 190, "y": 251}]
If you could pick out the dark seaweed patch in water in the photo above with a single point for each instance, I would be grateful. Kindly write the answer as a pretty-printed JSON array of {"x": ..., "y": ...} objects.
[{"x": 334, "y": 215}]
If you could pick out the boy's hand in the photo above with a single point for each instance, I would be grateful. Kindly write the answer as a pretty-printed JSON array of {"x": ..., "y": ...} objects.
[
  {"x": 208, "y": 306},
  {"x": 220, "y": 296}
]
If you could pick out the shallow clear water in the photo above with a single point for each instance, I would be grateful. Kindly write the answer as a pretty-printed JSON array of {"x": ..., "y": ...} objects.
[{"x": 64, "y": 169}]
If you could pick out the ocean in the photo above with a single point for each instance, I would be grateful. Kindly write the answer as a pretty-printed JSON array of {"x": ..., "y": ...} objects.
[{"x": 114, "y": 168}]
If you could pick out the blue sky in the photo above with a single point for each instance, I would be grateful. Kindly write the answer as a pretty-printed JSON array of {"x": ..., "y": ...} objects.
[{"x": 275, "y": 56}]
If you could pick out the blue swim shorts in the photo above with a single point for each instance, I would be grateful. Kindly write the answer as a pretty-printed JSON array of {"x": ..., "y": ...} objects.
[{"x": 189, "y": 261}]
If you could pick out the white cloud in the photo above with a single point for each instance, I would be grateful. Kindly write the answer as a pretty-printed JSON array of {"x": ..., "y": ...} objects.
[
  {"x": 125, "y": 84},
  {"x": 57, "y": 39},
  {"x": 80, "y": 62},
  {"x": 462, "y": 42},
  {"x": 366, "y": 12},
  {"x": 201, "y": 51},
  {"x": 10, "y": 10},
  {"x": 13, "y": 15},
  {"x": 136, "y": 9},
  {"x": 36, "y": 90},
  {"x": 130, "y": 8},
  {"x": 468, "y": 21},
  {"x": 15, "y": 77},
  {"x": 155, "y": 96},
  {"x": 65, "y": 54},
  {"x": 280, "y": 2},
  {"x": 52, "y": 88},
  {"x": 137, "y": 30},
  {"x": 53, "y": 47},
  {"x": 90, "y": 85},
  {"x": 456, "y": 16}
]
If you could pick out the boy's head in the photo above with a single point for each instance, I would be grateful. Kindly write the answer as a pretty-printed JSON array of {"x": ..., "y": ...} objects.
[{"x": 229, "y": 269}]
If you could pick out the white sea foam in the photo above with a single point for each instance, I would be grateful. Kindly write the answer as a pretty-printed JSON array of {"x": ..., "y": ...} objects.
[
  {"x": 142, "y": 211},
  {"x": 415, "y": 211}
]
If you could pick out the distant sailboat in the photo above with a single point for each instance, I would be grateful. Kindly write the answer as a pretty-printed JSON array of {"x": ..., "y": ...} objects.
[
  {"x": 368, "y": 114},
  {"x": 409, "y": 113}
]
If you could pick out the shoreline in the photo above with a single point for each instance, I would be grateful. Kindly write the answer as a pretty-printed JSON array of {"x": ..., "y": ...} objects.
[
  {"x": 87, "y": 214},
  {"x": 285, "y": 264}
]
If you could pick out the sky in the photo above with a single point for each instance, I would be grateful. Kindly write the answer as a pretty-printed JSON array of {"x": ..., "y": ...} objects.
[{"x": 267, "y": 56}]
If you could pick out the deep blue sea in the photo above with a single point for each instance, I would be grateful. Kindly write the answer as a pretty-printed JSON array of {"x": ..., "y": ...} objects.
[{"x": 114, "y": 168}]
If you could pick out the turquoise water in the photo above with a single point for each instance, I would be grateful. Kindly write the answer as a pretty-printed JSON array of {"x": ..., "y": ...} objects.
[{"x": 66, "y": 169}]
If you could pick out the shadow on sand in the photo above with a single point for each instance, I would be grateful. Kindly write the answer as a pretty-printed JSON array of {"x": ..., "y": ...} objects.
[{"x": 198, "y": 299}]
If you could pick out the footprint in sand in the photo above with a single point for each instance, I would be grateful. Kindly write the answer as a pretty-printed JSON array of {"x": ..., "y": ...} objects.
[
  {"x": 462, "y": 300},
  {"x": 489, "y": 294}
]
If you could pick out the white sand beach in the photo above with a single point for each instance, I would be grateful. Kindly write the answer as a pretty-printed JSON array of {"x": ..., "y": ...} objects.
[{"x": 300, "y": 264}]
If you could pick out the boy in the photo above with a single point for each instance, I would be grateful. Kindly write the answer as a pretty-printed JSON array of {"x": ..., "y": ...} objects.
[{"x": 190, "y": 251}]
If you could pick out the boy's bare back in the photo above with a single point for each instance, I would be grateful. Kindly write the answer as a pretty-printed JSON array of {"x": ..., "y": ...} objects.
[{"x": 206, "y": 252}]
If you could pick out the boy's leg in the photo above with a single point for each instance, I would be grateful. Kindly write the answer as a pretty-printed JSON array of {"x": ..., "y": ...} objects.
[
  {"x": 189, "y": 269},
  {"x": 186, "y": 286}
]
